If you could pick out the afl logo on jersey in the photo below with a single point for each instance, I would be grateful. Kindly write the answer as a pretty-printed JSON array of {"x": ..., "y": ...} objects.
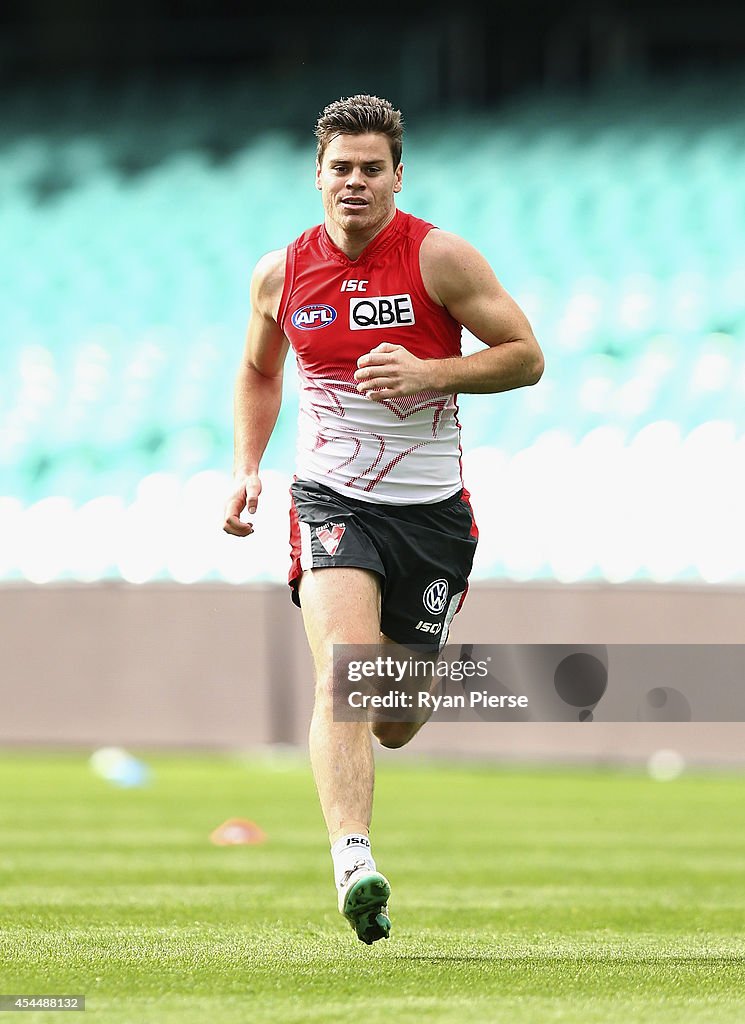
[
  {"x": 310, "y": 318},
  {"x": 381, "y": 311}
]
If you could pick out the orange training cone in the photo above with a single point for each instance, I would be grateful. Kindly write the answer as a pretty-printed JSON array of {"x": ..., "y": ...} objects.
[{"x": 237, "y": 832}]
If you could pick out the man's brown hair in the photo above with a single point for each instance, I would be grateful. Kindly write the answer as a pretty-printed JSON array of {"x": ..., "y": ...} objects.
[{"x": 358, "y": 115}]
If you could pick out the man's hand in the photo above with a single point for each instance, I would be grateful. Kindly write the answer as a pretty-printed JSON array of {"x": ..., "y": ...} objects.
[
  {"x": 245, "y": 495},
  {"x": 390, "y": 371}
]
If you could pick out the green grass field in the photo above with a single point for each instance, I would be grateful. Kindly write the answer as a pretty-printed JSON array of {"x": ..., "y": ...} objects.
[{"x": 518, "y": 896}]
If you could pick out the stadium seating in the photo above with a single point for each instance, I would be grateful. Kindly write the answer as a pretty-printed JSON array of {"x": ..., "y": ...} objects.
[{"x": 616, "y": 220}]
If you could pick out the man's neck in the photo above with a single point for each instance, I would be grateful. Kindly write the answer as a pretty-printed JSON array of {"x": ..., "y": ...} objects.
[{"x": 354, "y": 243}]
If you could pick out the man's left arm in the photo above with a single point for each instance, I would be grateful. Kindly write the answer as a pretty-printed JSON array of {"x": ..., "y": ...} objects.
[{"x": 458, "y": 277}]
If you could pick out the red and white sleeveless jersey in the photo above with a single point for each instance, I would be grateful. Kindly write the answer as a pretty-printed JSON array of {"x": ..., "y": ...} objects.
[{"x": 333, "y": 310}]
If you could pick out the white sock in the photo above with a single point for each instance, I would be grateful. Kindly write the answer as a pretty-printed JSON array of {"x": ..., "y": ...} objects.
[{"x": 347, "y": 850}]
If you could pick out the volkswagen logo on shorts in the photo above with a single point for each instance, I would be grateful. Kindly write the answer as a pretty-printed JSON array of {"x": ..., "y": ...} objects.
[{"x": 436, "y": 597}]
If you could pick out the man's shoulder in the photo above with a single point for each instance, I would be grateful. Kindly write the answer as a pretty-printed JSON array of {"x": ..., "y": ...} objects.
[
  {"x": 444, "y": 260},
  {"x": 439, "y": 245},
  {"x": 271, "y": 263},
  {"x": 269, "y": 278},
  {"x": 436, "y": 238}
]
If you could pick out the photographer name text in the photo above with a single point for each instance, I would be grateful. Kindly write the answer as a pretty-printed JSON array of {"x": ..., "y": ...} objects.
[{"x": 401, "y": 699}]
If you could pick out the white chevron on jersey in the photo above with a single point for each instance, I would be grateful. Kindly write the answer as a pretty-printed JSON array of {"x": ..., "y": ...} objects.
[{"x": 398, "y": 452}]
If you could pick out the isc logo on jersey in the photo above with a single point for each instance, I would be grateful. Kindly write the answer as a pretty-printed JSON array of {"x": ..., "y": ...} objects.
[
  {"x": 381, "y": 311},
  {"x": 310, "y": 318}
]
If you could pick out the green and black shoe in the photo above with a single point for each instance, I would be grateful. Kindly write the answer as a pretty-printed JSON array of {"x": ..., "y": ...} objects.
[{"x": 363, "y": 899}]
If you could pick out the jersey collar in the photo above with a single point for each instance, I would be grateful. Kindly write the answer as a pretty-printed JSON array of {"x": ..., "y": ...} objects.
[{"x": 375, "y": 246}]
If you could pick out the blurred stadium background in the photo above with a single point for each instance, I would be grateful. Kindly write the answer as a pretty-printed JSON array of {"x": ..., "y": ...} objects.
[{"x": 151, "y": 152}]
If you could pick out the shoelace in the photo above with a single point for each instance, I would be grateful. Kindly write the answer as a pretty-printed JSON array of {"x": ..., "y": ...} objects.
[{"x": 347, "y": 874}]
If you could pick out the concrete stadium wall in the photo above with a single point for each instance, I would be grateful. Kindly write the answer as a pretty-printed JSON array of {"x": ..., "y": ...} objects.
[{"x": 223, "y": 667}]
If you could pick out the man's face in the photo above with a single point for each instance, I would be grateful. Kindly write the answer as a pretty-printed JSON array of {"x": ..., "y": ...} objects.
[{"x": 357, "y": 180}]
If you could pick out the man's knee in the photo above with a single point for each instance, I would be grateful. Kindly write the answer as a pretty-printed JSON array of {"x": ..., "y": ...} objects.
[
  {"x": 324, "y": 686},
  {"x": 393, "y": 734}
]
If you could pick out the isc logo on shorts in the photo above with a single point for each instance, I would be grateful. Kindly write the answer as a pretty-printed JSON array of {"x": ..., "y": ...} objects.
[{"x": 381, "y": 311}]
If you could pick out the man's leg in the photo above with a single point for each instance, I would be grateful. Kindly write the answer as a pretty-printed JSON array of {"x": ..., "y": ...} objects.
[
  {"x": 342, "y": 606},
  {"x": 397, "y": 734}
]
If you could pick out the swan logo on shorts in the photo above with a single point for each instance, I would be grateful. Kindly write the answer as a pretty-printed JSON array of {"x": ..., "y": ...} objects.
[
  {"x": 310, "y": 318},
  {"x": 436, "y": 597},
  {"x": 330, "y": 535}
]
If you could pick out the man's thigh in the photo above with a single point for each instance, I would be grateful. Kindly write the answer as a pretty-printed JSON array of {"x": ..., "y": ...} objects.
[
  {"x": 340, "y": 605},
  {"x": 415, "y": 671}
]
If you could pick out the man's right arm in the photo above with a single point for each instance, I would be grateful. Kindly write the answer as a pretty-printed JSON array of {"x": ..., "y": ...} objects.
[{"x": 258, "y": 390}]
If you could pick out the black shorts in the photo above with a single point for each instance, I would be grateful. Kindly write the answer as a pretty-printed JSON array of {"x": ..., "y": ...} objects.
[{"x": 423, "y": 554}]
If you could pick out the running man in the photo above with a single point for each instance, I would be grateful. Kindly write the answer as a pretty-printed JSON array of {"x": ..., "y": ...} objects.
[{"x": 372, "y": 302}]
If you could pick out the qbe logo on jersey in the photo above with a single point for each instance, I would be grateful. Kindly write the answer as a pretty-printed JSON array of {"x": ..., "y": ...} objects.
[
  {"x": 436, "y": 597},
  {"x": 381, "y": 311}
]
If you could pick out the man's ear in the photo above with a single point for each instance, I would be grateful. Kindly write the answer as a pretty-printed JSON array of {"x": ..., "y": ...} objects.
[
  {"x": 398, "y": 182},
  {"x": 318, "y": 176}
]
